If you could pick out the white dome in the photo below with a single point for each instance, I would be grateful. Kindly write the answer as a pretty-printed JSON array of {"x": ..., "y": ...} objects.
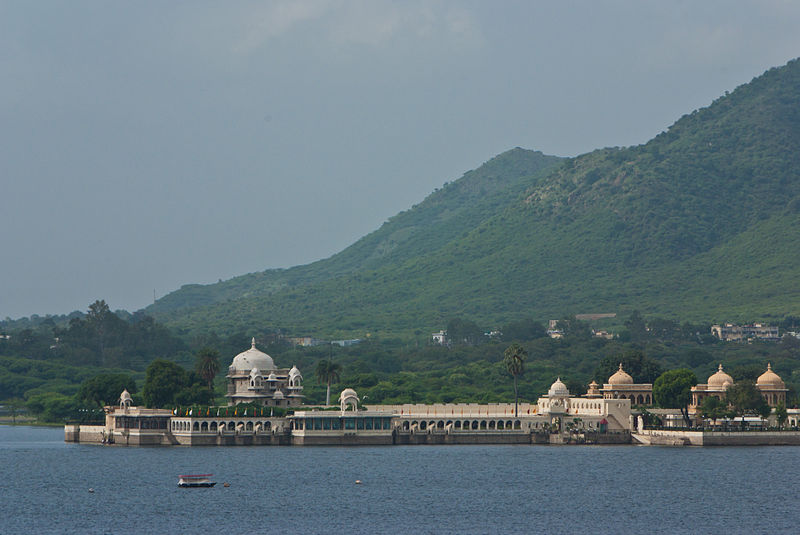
[
  {"x": 294, "y": 372},
  {"x": 347, "y": 392},
  {"x": 252, "y": 358},
  {"x": 255, "y": 372},
  {"x": 558, "y": 389},
  {"x": 277, "y": 395}
]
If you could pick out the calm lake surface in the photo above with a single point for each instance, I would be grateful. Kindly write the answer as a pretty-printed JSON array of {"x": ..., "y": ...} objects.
[{"x": 405, "y": 489}]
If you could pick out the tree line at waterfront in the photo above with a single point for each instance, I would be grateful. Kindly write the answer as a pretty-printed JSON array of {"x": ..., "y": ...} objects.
[{"x": 470, "y": 369}]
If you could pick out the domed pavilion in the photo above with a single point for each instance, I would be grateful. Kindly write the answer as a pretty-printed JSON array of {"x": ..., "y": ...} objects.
[
  {"x": 716, "y": 386},
  {"x": 621, "y": 386},
  {"x": 771, "y": 386},
  {"x": 253, "y": 377}
]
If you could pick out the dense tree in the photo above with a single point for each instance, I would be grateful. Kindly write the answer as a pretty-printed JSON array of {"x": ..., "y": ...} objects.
[
  {"x": 781, "y": 414},
  {"x": 747, "y": 372},
  {"x": 163, "y": 379},
  {"x": 105, "y": 389},
  {"x": 328, "y": 372},
  {"x": 207, "y": 365},
  {"x": 636, "y": 364},
  {"x": 744, "y": 398},
  {"x": 715, "y": 408},
  {"x": 461, "y": 331},
  {"x": 15, "y": 405},
  {"x": 55, "y": 407},
  {"x": 167, "y": 384},
  {"x": 523, "y": 330},
  {"x": 574, "y": 328},
  {"x": 672, "y": 390},
  {"x": 514, "y": 361},
  {"x": 104, "y": 326},
  {"x": 636, "y": 327}
]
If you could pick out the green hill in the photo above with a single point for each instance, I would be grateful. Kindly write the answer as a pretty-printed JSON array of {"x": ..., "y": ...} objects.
[{"x": 698, "y": 224}]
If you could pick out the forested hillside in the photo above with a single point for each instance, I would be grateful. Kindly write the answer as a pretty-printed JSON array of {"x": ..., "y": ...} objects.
[
  {"x": 699, "y": 223},
  {"x": 425, "y": 228}
]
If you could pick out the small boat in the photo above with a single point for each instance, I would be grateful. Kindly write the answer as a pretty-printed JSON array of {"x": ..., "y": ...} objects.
[{"x": 196, "y": 480}]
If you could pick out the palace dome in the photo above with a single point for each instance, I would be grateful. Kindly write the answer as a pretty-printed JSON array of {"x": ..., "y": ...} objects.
[
  {"x": 558, "y": 389},
  {"x": 720, "y": 379},
  {"x": 252, "y": 358},
  {"x": 621, "y": 377},
  {"x": 770, "y": 378}
]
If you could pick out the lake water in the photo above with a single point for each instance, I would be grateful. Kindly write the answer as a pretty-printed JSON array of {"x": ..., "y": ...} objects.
[{"x": 405, "y": 489}]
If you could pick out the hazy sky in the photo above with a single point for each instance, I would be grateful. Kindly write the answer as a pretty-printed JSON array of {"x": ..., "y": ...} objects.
[{"x": 145, "y": 145}]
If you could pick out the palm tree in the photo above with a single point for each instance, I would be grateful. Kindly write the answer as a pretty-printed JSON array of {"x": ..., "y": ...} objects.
[
  {"x": 207, "y": 365},
  {"x": 514, "y": 360},
  {"x": 328, "y": 372}
]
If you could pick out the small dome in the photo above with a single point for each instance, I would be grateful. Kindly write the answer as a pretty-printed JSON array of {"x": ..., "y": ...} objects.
[
  {"x": 125, "y": 396},
  {"x": 620, "y": 377},
  {"x": 252, "y": 358},
  {"x": 346, "y": 393},
  {"x": 272, "y": 377},
  {"x": 348, "y": 397},
  {"x": 277, "y": 395},
  {"x": 255, "y": 372},
  {"x": 558, "y": 389},
  {"x": 294, "y": 372},
  {"x": 720, "y": 379},
  {"x": 770, "y": 378}
]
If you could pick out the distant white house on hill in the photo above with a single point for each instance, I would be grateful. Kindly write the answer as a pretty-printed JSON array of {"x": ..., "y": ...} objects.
[{"x": 439, "y": 338}]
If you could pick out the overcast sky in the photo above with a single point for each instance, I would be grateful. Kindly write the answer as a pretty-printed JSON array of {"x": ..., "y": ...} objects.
[{"x": 146, "y": 145}]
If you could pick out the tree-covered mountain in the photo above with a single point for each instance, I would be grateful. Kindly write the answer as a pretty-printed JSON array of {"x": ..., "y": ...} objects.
[{"x": 700, "y": 223}]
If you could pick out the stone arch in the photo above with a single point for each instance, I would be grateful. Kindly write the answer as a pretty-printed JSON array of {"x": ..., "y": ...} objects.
[
  {"x": 204, "y": 427},
  {"x": 213, "y": 426},
  {"x": 483, "y": 424},
  {"x": 196, "y": 426},
  {"x": 475, "y": 424},
  {"x": 501, "y": 425},
  {"x": 517, "y": 424},
  {"x": 440, "y": 424},
  {"x": 492, "y": 424},
  {"x": 405, "y": 425},
  {"x": 457, "y": 424},
  {"x": 249, "y": 426},
  {"x": 509, "y": 424}
]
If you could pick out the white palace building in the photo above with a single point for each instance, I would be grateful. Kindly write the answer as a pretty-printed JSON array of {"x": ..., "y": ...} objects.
[{"x": 557, "y": 417}]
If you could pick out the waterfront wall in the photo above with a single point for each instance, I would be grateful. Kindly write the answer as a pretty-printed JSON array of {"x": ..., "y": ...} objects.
[
  {"x": 84, "y": 433},
  {"x": 664, "y": 437},
  {"x": 752, "y": 438}
]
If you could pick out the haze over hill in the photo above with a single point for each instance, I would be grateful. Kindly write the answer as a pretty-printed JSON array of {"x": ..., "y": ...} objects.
[{"x": 699, "y": 223}]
